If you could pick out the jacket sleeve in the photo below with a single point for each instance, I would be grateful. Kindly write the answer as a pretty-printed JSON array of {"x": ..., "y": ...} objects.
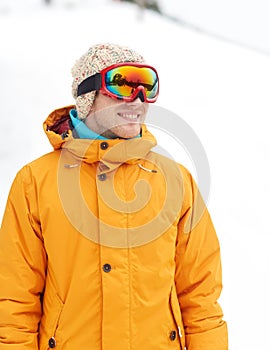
[
  {"x": 22, "y": 267},
  {"x": 198, "y": 274}
]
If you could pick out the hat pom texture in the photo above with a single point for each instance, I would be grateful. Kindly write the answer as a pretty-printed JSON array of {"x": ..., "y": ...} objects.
[{"x": 93, "y": 61}]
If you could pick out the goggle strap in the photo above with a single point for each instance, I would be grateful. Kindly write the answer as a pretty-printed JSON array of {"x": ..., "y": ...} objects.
[{"x": 92, "y": 83}]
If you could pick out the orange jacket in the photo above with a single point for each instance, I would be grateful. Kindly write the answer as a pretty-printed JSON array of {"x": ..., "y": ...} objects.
[{"x": 107, "y": 245}]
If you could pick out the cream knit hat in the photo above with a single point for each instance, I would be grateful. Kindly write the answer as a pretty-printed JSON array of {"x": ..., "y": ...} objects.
[{"x": 93, "y": 61}]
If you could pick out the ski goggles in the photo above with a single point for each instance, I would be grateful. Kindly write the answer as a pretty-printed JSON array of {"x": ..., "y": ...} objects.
[{"x": 124, "y": 81}]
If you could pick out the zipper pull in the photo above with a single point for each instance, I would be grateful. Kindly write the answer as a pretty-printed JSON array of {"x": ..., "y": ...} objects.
[{"x": 180, "y": 332}]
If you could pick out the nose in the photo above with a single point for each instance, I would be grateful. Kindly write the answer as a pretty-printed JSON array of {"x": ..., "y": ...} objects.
[
  {"x": 136, "y": 101},
  {"x": 139, "y": 98},
  {"x": 140, "y": 95}
]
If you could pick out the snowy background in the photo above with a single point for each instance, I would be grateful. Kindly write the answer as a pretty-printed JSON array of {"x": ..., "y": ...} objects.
[
  {"x": 219, "y": 88},
  {"x": 245, "y": 22}
]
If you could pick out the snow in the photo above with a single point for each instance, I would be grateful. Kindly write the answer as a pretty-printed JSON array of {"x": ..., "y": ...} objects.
[
  {"x": 242, "y": 21},
  {"x": 219, "y": 89}
]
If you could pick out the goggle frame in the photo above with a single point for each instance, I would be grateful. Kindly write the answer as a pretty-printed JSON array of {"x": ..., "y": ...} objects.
[{"x": 97, "y": 82}]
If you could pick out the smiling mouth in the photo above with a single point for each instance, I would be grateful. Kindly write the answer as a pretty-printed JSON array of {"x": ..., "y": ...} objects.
[{"x": 129, "y": 116}]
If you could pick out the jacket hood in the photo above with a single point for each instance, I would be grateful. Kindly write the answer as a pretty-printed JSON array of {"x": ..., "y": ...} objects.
[{"x": 111, "y": 152}]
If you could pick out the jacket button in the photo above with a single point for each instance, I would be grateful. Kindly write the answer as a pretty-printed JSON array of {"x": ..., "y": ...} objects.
[
  {"x": 104, "y": 145},
  {"x": 102, "y": 177},
  {"x": 52, "y": 343},
  {"x": 107, "y": 267},
  {"x": 173, "y": 335}
]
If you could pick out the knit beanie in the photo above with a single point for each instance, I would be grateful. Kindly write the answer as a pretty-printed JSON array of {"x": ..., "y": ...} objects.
[{"x": 93, "y": 61}]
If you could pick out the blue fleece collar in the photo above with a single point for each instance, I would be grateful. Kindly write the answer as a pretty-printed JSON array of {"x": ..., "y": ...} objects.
[{"x": 82, "y": 130}]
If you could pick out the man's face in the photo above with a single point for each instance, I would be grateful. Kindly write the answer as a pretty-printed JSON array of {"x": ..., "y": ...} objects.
[{"x": 112, "y": 118}]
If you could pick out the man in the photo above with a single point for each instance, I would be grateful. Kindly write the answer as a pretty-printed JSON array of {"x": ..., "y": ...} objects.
[{"x": 105, "y": 244}]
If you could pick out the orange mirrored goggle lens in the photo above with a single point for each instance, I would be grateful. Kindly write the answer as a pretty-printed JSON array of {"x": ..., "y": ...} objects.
[{"x": 122, "y": 81}]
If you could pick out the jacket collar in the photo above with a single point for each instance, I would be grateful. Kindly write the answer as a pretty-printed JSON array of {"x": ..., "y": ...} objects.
[{"x": 111, "y": 153}]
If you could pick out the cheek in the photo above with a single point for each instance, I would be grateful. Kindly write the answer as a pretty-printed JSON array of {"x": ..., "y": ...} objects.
[
  {"x": 146, "y": 107},
  {"x": 104, "y": 113},
  {"x": 110, "y": 120}
]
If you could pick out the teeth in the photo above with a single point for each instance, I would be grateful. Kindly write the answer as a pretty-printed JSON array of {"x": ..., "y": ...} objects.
[{"x": 129, "y": 116}]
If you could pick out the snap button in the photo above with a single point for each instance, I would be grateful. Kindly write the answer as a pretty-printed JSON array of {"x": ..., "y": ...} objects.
[
  {"x": 107, "y": 267},
  {"x": 52, "y": 343},
  {"x": 173, "y": 335},
  {"x": 104, "y": 145},
  {"x": 102, "y": 177}
]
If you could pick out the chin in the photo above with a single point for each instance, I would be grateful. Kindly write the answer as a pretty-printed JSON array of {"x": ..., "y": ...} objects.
[{"x": 128, "y": 134}]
